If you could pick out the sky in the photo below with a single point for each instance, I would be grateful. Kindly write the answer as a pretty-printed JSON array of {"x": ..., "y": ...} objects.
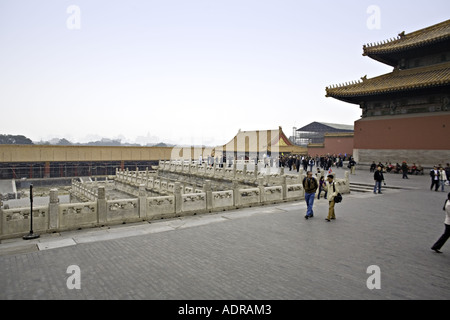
[{"x": 188, "y": 72}]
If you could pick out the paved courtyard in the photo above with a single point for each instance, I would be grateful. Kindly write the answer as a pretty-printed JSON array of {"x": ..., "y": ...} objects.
[{"x": 269, "y": 252}]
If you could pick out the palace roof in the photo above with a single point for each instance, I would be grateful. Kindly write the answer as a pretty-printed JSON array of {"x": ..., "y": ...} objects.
[
  {"x": 326, "y": 127},
  {"x": 437, "y": 75},
  {"x": 424, "y": 37},
  {"x": 261, "y": 141}
]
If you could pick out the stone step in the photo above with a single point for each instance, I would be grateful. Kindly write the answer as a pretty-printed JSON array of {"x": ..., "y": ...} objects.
[{"x": 366, "y": 185}]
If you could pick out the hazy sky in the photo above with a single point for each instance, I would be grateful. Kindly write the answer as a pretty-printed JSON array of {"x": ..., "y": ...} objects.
[{"x": 188, "y": 71}]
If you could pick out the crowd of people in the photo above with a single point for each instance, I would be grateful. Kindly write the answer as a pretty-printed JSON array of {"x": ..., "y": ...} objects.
[
  {"x": 292, "y": 161},
  {"x": 325, "y": 162},
  {"x": 440, "y": 176},
  {"x": 403, "y": 168}
]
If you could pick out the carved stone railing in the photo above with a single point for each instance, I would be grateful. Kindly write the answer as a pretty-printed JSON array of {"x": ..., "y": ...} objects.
[{"x": 179, "y": 199}]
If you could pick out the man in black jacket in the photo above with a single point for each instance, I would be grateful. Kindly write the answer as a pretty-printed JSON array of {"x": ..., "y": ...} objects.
[
  {"x": 378, "y": 177},
  {"x": 434, "y": 174},
  {"x": 310, "y": 186},
  {"x": 404, "y": 170}
]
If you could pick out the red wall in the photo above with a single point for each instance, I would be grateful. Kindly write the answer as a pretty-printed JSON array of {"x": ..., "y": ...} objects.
[
  {"x": 413, "y": 132},
  {"x": 334, "y": 145}
]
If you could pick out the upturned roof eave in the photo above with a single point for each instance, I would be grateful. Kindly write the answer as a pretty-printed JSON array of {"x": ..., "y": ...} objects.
[
  {"x": 405, "y": 42},
  {"x": 358, "y": 97}
]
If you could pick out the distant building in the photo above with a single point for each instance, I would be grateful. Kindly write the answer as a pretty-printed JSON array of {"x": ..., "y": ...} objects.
[
  {"x": 257, "y": 143},
  {"x": 50, "y": 161},
  {"x": 405, "y": 113},
  {"x": 314, "y": 133}
]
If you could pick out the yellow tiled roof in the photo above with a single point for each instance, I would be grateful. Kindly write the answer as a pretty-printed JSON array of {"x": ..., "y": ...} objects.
[
  {"x": 398, "y": 80},
  {"x": 435, "y": 33}
]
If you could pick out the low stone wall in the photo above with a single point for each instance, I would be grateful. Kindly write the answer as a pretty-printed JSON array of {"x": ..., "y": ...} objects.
[
  {"x": 426, "y": 158},
  {"x": 16, "y": 222},
  {"x": 79, "y": 215}
]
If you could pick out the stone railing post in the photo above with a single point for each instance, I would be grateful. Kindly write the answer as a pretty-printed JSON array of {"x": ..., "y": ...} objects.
[
  {"x": 142, "y": 202},
  {"x": 136, "y": 177},
  {"x": 261, "y": 189},
  {"x": 178, "y": 198},
  {"x": 150, "y": 182},
  {"x": 102, "y": 205},
  {"x": 208, "y": 190},
  {"x": 235, "y": 186},
  {"x": 53, "y": 210},
  {"x": 284, "y": 187}
]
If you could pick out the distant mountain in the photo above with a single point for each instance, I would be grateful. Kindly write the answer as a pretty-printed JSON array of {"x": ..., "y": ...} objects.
[
  {"x": 109, "y": 142},
  {"x": 14, "y": 139},
  {"x": 19, "y": 139},
  {"x": 161, "y": 144}
]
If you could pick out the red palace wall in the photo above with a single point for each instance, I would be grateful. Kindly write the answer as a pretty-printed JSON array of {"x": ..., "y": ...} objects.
[
  {"x": 421, "y": 132},
  {"x": 333, "y": 145}
]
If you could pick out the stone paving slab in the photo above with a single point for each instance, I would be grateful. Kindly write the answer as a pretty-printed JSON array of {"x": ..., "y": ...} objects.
[{"x": 56, "y": 244}]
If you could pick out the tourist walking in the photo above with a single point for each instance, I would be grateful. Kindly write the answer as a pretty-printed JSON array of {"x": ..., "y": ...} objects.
[
  {"x": 442, "y": 178},
  {"x": 447, "y": 172},
  {"x": 332, "y": 190},
  {"x": 404, "y": 170},
  {"x": 311, "y": 164},
  {"x": 321, "y": 187},
  {"x": 438, "y": 245},
  {"x": 310, "y": 185},
  {"x": 352, "y": 165},
  {"x": 434, "y": 174},
  {"x": 378, "y": 177},
  {"x": 290, "y": 163}
]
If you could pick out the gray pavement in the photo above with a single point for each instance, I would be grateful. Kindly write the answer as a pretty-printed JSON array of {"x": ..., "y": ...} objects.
[{"x": 269, "y": 252}]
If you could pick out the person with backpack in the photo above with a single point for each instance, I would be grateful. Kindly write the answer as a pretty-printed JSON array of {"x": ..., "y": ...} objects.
[
  {"x": 352, "y": 165},
  {"x": 441, "y": 241},
  {"x": 333, "y": 191},
  {"x": 310, "y": 186}
]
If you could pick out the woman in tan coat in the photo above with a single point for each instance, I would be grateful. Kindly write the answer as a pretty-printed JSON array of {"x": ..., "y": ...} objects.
[{"x": 332, "y": 191}]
